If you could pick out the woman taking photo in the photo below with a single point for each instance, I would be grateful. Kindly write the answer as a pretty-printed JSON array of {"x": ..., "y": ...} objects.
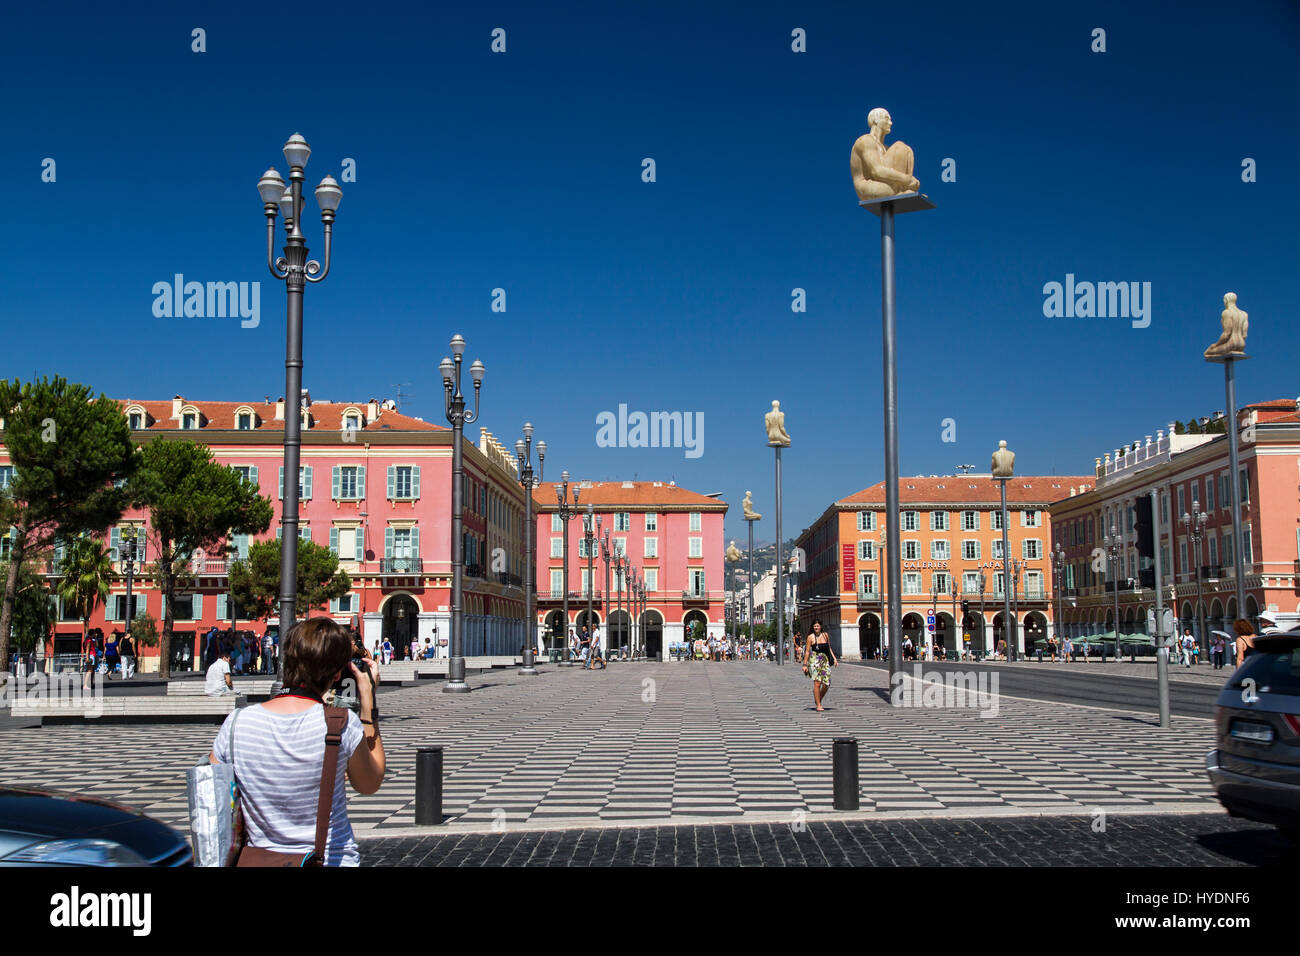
[
  {"x": 818, "y": 660},
  {"x": 280, "y": 748}
]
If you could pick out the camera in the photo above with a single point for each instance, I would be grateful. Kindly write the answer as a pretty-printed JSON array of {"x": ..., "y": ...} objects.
[{"x": 345, "y": 691}]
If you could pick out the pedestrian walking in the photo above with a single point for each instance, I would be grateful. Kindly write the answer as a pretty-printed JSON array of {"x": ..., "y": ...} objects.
[
  {"x": 594, "y": 656},
  {"x": 1245, "y": 639},
  {"x": 126, "y": 648},
  {"x": 387, "y": 651},
  {"x": 818, "y": 660},
  {"x": 1217, "y": 647},
  {"x": 1187, "y": 644},
  {"x": 1068, "y": 655},
  {"x": 280, "y": 748},
  {"x": 111, "y": 657}
]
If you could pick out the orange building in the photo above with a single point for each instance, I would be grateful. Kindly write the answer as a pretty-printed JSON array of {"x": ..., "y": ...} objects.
[{"x": 951, "y": 555}]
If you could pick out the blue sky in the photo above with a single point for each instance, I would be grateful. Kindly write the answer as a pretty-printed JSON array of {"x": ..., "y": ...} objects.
[{"x": 522, "y": 171}]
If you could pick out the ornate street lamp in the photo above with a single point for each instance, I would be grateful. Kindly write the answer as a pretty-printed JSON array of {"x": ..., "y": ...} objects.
[
  {"x": 1113, "y": 543},
  {"x": 458, "y": 416},
  {"x": 605, "y": 555},
  {"x": 1004, "y": 461},
  {"x": 1195, "y": 525},
  {"x": 566, "y": 509},
  {"x": 296, "y": 270},
  {"x": 524, "y": 454},
  {"x": 1058, "y": 565},
  {"x": 589, "y": 542}
]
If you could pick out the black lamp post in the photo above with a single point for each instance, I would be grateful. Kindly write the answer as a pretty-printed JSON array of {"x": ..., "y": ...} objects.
[
  {"x": 128, "y": 547},
  {"x": 1058, "y": 566},
  {"x": 566, "y": 509},
  {"x": 605, "y": 556},
  {"x": 1194, "y": 524},
  {"x": 524, "y": 453},
  {"x": 296, "y": 270},
  {"x": 458, "y": 416},
  {"x": 1113, "y": 544},
  {"x": 589, "y": 543}
]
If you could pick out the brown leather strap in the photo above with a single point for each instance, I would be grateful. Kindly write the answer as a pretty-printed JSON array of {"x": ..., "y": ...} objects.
[{"x": 336, "y": 719}]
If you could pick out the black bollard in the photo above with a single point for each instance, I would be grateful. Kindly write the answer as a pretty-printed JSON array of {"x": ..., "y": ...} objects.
[
  {"x": 428, "y": 786},
  {"x": 844, "y": 772}
]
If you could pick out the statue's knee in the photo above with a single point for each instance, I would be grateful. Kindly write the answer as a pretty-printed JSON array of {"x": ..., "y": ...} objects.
[{"x": 900, "y": 157}]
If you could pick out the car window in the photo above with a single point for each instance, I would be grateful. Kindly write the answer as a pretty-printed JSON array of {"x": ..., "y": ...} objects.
[{"x": 1277, "y": 671}]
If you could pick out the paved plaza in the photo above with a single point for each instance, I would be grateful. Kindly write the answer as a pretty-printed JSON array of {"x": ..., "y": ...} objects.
[{"x": 684, "y": 743}]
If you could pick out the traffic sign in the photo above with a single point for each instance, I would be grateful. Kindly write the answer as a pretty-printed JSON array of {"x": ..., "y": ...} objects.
[{"x": 930, "y": 627}]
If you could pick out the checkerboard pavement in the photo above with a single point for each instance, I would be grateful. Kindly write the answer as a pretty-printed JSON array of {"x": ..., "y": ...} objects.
[{"x": 721, "y": 741}]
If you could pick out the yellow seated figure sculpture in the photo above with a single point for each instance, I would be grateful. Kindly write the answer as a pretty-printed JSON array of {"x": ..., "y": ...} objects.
[
  {"x": 1236, "y": 323},
  {"x": 880, "y": 171}
]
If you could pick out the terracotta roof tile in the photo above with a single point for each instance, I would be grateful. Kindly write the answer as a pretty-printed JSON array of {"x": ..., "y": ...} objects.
[
  {"x": 221, "y": 415},
  {"x": 975, "y": 489}
]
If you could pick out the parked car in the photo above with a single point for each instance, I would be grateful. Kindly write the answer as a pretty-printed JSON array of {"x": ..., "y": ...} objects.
[
  {"x": 49, "y": 828},
  {"x": 1255, "y": 769}
]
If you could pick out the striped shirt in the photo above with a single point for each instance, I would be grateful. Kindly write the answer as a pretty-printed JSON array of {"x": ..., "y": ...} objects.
[{"x": 278, "y": 760}]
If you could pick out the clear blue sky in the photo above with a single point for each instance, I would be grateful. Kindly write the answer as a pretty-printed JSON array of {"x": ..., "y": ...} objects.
[{"x": 523, "y": 171}]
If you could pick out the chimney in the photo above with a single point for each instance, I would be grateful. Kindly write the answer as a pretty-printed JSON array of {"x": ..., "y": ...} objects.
[
  {"x": 279, "y": 409},
  {"x": 372, "y": 411},
  {"x": 177, "y": 402},
  {"x": 306, "y": 398}
]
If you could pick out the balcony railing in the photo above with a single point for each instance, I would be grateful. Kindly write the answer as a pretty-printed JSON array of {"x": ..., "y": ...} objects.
[
  {"x": 401, "y": 566},
  {"x": 1211, "y": 572},
  {"x": 864, "y": 595},
  {"x": 209, "y": 566}
]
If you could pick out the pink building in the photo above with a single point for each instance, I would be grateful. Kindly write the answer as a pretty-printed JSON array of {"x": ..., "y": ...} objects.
[
  {"x": 672, "y": 536},
  {"x": 375, "y": 487}
]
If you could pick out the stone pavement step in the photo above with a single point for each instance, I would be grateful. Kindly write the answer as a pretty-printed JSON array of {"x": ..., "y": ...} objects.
[
  {"x": 257, "y": 687},
  {"x": 158, "y": 708}
]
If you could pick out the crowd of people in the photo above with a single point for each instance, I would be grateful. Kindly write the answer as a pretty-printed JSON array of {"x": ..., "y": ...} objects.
[
  {"x": 386, "y": 651},
  {"x": 113, "y": 656}
]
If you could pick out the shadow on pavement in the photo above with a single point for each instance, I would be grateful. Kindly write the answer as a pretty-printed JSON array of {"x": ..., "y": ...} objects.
[{"x": 1265, "y": 846}]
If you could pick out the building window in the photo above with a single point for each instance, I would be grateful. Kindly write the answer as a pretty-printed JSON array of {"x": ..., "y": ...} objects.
[
  {"x": 995, "y": 520},
  {"x": 1182, "y": 554},
  {"x": 652, "y": 547},
  {"x": 404, "y": 483},
  {"x": 557, "y": 581},
  {"x": 1182, "y": 501},
  {"x": 1031, "y": 549},
  {"x": 695, "y": 521},
  {"x": 938, "y": 521},
  {"x": 349, "y": 482},
  {"x": 941, "y": 581},
  {"x": 940, "y": 550},
  {"x": 970, "y": 521},
  {"x": 697, "y": 548},
  {"x": 651, "y": 522},
  {"x": 557, "y": 547},
  {"x": 352, "y": 422},
  {"x": 911, "y": 550},
  {"x": 1209, "y": 493},
  {"x": 1029, "y": 519},
  {"x": 582, "y": 547},
  {"x": 622, "y": 521},
  {"x": 245, "y": 422},
  {"x": 996, "y": 549},
  {"x": 912, "y": 583},
  {"x": 304, "y": 482},
  {"x": 998, "y": 584},
  {"x": 970, "y": 549},
  {"x": 651, "y": 580},
  {"x": 246, "y": 472},
  {"x": 866, "y": 550},
  {"x": 346, "y": 542},
  {"x": 6, "y": 476},
  {"x": 620, "y": 546},
  {"x": 189, "y": 421},
  {"x": 136, "y": 421},
  {"x": 1033, "y": 584},
  {"x": 557, "y": 525},
  {"x": 970, "y": 582},
  {"x": 866, "y": 521},
  {"x": 911, "y": 521},
  {"x": 1245, "y": 485},
  {"x": 867, "y": 582}
]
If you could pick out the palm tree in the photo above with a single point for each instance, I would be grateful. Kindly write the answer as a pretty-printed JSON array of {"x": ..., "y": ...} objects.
[{"x": 86, "y": 574}]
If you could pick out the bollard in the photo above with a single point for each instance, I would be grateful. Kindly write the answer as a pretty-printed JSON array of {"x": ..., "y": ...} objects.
[
  {"x": 1040, "y": 655},
  {"x": 428, "y": 786},
  {"x": 844, "y": 772}
]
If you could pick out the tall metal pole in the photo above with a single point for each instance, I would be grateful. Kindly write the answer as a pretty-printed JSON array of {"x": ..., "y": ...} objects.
[
  {"x": 749, "y": 610},
  {"x": 1238, "y": 546},
  {"x": 566, "y": 510},
  {"x": 780, "y": 568},
  {"x": 1114, "y": 560},
  {"x": 889, "y": 359},
  {"x": 458, "y": 416},
  {"x": 295, "y": 255},
  {"x": 524, "y": 453},
  {"x": 1162, "y": 651},
  {"x": 604, "y": 553},
  {"x": 1008, "y": 622},
  {"x": 589, "y": 539}
]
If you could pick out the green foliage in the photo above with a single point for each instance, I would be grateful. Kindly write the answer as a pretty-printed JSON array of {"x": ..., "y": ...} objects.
[
  {"x": 255, "y": 583},
  {"x": 87, "y": 572},
  {"x": 144, "y": 631},
  {"x": 32, "y": 617},
  {"x": 194, "y": 503},
  {"x": 70, "y": 452}
]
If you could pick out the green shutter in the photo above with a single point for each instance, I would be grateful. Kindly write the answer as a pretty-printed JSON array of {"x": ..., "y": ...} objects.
[
  {"x": 415, "y": 481},
  {"x": 252, "y": 473},
  {"x": 115, "y": 542},
  {"x": 361, "y": 544},
  {"x": 306, "y": 482},
  {"x": 304, "y": 532},
  {"x": 388, "y": 538},
  {"x": 222, "y": 615},
  {"x": 334, "y": 605},
  {"x": 361, "y": 482},
  {"x": 415, "y": 542},
  {"x": 334, "y": 536},
  {"x": 279, "y": 533},
  {"x": 198, "y": 607},
  {"x": 282, "y": 482},
  {"x": 334, "y": 482},
  {"x": 392, "y": 481}
]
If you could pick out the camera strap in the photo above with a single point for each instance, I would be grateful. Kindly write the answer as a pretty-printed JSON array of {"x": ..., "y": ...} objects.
[{"x": 303, "y": 692}]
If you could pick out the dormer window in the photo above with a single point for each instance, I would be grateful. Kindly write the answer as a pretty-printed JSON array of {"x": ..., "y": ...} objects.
[
  {"x": 189, "y": 421},
  {"x": 352, "y": 421},
  {"x": 136, "y": 420},
  {"x": 245, "y": 421}
]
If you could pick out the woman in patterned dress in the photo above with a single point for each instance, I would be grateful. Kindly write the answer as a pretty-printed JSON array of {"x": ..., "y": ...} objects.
[{"x": 818, "y": 660}]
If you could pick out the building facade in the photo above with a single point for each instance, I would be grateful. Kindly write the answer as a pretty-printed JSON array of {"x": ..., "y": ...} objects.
[
  {"x": 375, "y": 487},
  {"x": 671, "y": 536},
  {"x": 1190, "y": 476},
  {"x": 951, "y": 556}
]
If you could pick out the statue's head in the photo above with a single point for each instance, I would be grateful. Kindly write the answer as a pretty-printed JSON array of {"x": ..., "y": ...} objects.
[
  {"x": 879, "y": 117},
  {"x": 775, "y": 406},
  {"x": 1230, "y": 299}
]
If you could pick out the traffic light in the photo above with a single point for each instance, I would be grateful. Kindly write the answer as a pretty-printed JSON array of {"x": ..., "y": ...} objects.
[{"x": 965, "y": 607}]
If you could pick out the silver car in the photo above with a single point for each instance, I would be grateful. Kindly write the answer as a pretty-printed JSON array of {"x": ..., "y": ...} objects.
[{"x": 1256, "y": 768}]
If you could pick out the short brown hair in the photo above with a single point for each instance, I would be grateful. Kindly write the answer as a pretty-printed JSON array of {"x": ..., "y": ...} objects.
[
  {"x": 314, "y": 651},
  {"x": 1242, "y": 627}
]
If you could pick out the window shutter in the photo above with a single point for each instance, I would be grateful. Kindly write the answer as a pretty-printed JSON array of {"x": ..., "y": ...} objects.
[
  {"x": 334, "y": 482},
  {"x": 115, "y": 542},
  {"x": 388, "y": 532},
  {"x": 222, "y": 613},
  {"x": 306, "y": 482},
  {"x": 198, "y": 607},
  {"x": 279, "y": 533},
  {"x": 141, "y": 604},
  {"x": 415, "y": 542},
  {"x": 334, "y": 605},
  {"x": 304, "y": 533},
  {"x": 361, "y": 482},
  {"x": 282, "y": 482},
  {"x": 415, "y": 481},
  {"x": 334, "y": 536},
  {"x": 392, "y": 481},
  {"x": 252, "y": 473},
  {"x": 360, "y": 537}
]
